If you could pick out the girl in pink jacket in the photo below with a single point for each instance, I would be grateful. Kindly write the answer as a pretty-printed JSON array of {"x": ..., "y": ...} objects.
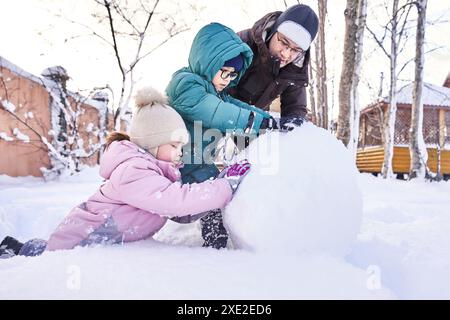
[{"x": 142, "y": 188}]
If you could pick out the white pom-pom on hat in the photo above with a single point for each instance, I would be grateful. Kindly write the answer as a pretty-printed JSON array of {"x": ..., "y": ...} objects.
[
  {"x": 149, "y": 95},
  {"x": 154, "y": 122}
]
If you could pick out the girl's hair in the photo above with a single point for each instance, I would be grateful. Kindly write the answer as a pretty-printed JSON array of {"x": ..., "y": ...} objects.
[{"x": 116, "y": 136}]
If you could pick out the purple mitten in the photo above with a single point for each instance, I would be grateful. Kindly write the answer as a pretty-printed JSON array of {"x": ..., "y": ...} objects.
[
  {"x": 235, "y": 173},
  {"x": 238, "y": 169}
]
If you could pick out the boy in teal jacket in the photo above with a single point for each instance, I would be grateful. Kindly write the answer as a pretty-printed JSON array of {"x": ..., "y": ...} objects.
[{"x": 217, "y": 60}]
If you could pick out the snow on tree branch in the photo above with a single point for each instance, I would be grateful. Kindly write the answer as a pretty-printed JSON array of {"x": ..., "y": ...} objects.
[{"x": 8, "y": 106}]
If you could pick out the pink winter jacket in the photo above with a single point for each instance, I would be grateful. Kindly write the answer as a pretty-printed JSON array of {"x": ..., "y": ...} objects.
[{"x": 139, "y": 194}]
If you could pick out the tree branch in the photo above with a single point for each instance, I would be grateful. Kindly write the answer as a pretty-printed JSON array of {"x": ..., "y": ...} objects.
[
  {"x": 380, "y": 44},
  {"x": 142, "y": 36},
  {"x": 163, "y": 42},
  {"x": 113, "y": 35},
  {"x": 124, "y": 17},
  {"x": 90, "y": 29},
  {"x": 402, "y": 29},
  {"x": 23, "y": 122},
  {"x": 412, "y": 59}
]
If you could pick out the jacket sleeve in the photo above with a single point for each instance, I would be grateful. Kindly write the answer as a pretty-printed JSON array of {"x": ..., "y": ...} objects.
[
  {"x": 259, "y": 114},
  {"x": 293, "y": 101},
  {"x": 194, "y": 103},
  {"x": 245, "y": 36},
  {"x": 148, "y": 190}
]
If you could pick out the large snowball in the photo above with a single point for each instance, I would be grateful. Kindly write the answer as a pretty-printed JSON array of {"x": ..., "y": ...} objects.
[{"x": 300, "y": 196}]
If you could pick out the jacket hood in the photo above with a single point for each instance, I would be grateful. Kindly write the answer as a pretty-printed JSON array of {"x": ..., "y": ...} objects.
[
  {"x": 119, "y": 152},
  {"x": 212, "y": 46}
]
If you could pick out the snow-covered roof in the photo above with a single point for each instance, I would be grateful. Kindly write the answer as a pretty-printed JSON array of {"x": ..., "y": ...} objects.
[
  {"x": 55, "y": 72},
  {"x": 99, "y": 105},
  {"x": 432, "y": 95},
  {"x": 4, "y": 63}
]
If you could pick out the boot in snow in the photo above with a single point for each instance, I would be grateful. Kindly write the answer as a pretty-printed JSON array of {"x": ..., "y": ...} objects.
[
  {"x": 213, "y": 231},
  {"x": 9, "y": 247}
]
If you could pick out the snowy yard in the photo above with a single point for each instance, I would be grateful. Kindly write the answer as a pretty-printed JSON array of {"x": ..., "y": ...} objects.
[
  {"x": 403, "y": 251},
  {"x": 304, "y": 225}
]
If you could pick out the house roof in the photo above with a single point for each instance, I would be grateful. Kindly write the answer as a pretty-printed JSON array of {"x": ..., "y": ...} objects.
[
  {"x": 432, "y": 95},
  {"x": 4, "y": 63},
  {"x": 447, "y": 81}
]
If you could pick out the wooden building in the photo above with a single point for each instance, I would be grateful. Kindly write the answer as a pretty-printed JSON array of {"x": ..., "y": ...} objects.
[{"x": 436, "y": 131}]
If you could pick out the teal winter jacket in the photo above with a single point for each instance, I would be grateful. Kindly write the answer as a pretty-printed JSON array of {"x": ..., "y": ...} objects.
[{"x": 192, "y": 93}]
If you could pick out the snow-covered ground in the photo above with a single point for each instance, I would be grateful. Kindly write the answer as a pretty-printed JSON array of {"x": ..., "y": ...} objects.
[
  {"x": 402, "y": 251},
  {"x": 405, "y": 235},
  {"x": 404, "y": 245}
]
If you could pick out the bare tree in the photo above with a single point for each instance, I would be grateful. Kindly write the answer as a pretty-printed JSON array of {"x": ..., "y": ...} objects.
[
  {"x": 345, "y": 84},
  {"x": 119, "y": 14},
  {"x": 133, "y": 31},
  {"x": 396, "y": 27},
  {"x": 348, "y": 121},
  {"x": 417, "y": 146},
  {"x": 312, "y": 100},
  {"x": 389, "y": 127},
  {"x": 321, "y": 69}
]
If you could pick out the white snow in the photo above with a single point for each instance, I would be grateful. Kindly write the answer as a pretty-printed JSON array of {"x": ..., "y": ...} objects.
[
  {"x": 310, "y": 201},
  {"x": 80, "y": 143},
  {"x": 401, "y": 251},
  {"x": 432, "y": 95},
  {"x": 406, "y": 233},
  {"x": 21, "y": 136},
  {"x": 4, "y": 136},
  {"x": 56, "y": 71},
  {"x": 8, "y": 106},
  {"x": 89, "y": 127},
  {"x": 29, "y": 115}
]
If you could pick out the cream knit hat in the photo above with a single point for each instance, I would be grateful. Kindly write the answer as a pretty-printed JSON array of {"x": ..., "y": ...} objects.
[{"x": 154, "y": 123}]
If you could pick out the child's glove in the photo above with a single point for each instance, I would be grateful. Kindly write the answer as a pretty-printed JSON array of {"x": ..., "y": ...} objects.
[
  {"x": 235, "y": 173},
  {"x": 291, "y": 122}
]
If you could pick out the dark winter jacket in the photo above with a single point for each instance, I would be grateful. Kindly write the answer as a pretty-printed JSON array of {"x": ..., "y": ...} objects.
[{"x": 264, "y": 81}]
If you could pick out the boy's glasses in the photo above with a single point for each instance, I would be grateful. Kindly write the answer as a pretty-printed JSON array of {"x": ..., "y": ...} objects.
[
  {"x": 228, "y": 74},
  {"x": 284, "y": 43}
]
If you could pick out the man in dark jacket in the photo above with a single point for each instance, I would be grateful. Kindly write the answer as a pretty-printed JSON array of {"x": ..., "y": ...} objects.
[{"x": 280, "y": 42}]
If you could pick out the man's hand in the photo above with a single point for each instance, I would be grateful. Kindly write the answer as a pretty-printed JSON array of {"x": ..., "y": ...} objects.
[
  {"x": 270, "y": 124},
  {"x": 290, "y": 122}
]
